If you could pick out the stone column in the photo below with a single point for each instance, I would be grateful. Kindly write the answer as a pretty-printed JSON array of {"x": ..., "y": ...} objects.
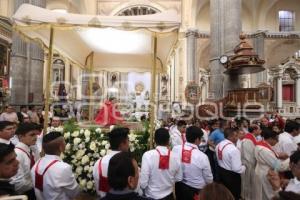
[
  {"x": 19, "y": 66},
  {"x": 35, "y": 83},
  {"x": 279, "y": 91},
  {"x": 225, "y": 30},
  {"x": 26, "y": 71},
  {"x": 298, "y": 90},
  {"x": 192, "y": 69},
  {"x": 259, "y": 45}
]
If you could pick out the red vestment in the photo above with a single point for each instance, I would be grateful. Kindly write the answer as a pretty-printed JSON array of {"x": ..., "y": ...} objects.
[{"x": 108, "y": 115}]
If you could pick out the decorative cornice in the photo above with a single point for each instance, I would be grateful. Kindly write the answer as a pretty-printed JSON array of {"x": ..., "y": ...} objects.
[{"x": 274, "y": 35}]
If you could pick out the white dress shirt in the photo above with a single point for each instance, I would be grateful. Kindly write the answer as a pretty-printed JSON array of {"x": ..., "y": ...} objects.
[
  {"x": 4, "y": 141},
  {"x": 175, "y": 137},
  {"x": 231, "y": 157},
  {"x": 59, "y": 180},
  {"x": 158, "y": 183},
  {"x": 22, "y": 180},
  {"x": 293, "y": 186},
  {"x": 286, "y": 144},
  {"x": 196, "y": 174},
  {"x": 11, "y": 117},
  {"x": 104, "y": 166}
]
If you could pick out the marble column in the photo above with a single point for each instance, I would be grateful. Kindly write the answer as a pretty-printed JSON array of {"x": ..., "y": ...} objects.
[
  {"x": 279, "y": 91},
  {"x": 225, "y": 30},
  {"x": 192, "y": 69},
  {"x": 298, "y": 90}
]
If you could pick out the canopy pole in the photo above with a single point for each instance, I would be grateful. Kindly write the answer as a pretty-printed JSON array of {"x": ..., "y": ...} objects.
[
  {"x": 48, "y": 80},
  {"x": 91, "y": 68},
  {"x": 153, "y": 91}
]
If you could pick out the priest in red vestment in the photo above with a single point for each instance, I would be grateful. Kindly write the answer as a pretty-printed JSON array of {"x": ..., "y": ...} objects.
[{"x": 109, "y": 114}]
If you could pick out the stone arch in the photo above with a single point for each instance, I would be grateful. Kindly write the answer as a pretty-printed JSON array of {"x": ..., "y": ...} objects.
[
  {"x": 279, "y": 50},
  {"x": 268, "y": 18},
  {"x": 203, "y": 16},
  {"x": 145, "y": 3}
]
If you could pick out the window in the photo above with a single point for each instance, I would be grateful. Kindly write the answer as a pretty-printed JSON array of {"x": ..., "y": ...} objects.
[
  {"x": 286, "y": 20},
  {"x": 138, "y": 10}
]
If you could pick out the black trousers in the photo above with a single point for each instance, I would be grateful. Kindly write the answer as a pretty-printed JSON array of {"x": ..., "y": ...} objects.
[
  {"x": 232, "y": 181},
  {"x": 169, "y": 197},
  {"x": 185, "y": 192},
  {"x": 30, "y": 194}
]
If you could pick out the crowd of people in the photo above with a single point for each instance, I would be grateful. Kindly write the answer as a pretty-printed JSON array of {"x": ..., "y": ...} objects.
[{"x": 210, "y": 160}]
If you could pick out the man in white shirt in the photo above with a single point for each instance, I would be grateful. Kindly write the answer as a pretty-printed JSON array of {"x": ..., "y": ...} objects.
[
  {"x": 27, "y": 134},
  {"x": 178, "y": 133},
  {"x": 230, "y": 164},
  {"x": 9, "y": 115},
  {"x": 195, "y": 166},
  {"x": 118, "y": 139},
  {"x": 160, "y": 168},
  {"x": 7, "y": 130},
  {"x": 53, "y": 179},
  {"x": 286, "y": 143}
]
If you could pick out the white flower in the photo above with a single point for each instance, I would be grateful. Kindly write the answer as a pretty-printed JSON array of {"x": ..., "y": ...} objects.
[
  {"x": 102, "y": 152},
  {"x": 90, "y": 169},
  {"x": 102, "y": 135},
  {"x": 111, "y": 127},
  {"x": 81, "y": 131},
  {"x": 87, "y": 133},
  {"x": 87, "y": 139},
  {"x": 85, "y": 159},
  {"x": 86, "y": 168},
  {"x": 98, "y": 130},
  {"x": 89, "y": 185},
  {"x": 67, "y": 135},
  {"x": 82, "y": 183},
  {"x": 75, "y": 134},
  {"x": 107, "y": 146},
  {"x": 60, "y": 129},
  {"x": 104, "y": 142},
  {"x": 76, "y": 141},
  {"x": 93, "y": 146},
  {"x": 132, "y": 149},
  {"x": 79, "y": 153},
  {"x": 79, "y": 170},
  {"x": 80, "y": 146},
  {"x": 68, "y": 146}
]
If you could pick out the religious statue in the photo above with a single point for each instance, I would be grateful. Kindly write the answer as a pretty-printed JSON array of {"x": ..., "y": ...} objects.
[{"x": 109, "y": 114}]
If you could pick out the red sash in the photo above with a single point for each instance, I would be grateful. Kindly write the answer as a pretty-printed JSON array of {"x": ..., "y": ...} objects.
[
  {"x": 103, "y": 181},
  {"x": 183, "y": 138},
  {"x": 220, "y": 151},
  {"x": 251, "y": 137},
  {"x": 163, "y": 160},
  {"x": 39, "y": 178},
  {"x": 186, "y": 155},
  {"x": 265, "y": 144},
  {"x": 30, "y": 156}
]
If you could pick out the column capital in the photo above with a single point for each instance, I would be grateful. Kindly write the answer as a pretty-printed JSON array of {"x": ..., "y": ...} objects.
[{"x": 192, "y": 32}]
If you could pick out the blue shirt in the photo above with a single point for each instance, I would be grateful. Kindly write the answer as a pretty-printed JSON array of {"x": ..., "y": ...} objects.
[{"x": 216, "y": 136}]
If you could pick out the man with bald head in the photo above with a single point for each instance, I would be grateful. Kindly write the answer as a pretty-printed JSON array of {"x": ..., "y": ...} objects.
[{"x": 53, "y": 178}]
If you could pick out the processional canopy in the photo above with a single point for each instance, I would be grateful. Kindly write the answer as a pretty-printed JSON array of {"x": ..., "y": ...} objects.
[{"x": 245, "y": 60}]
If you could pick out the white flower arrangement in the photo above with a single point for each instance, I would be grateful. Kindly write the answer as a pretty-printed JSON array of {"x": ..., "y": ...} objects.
[{"x": 84, "y": 147}]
